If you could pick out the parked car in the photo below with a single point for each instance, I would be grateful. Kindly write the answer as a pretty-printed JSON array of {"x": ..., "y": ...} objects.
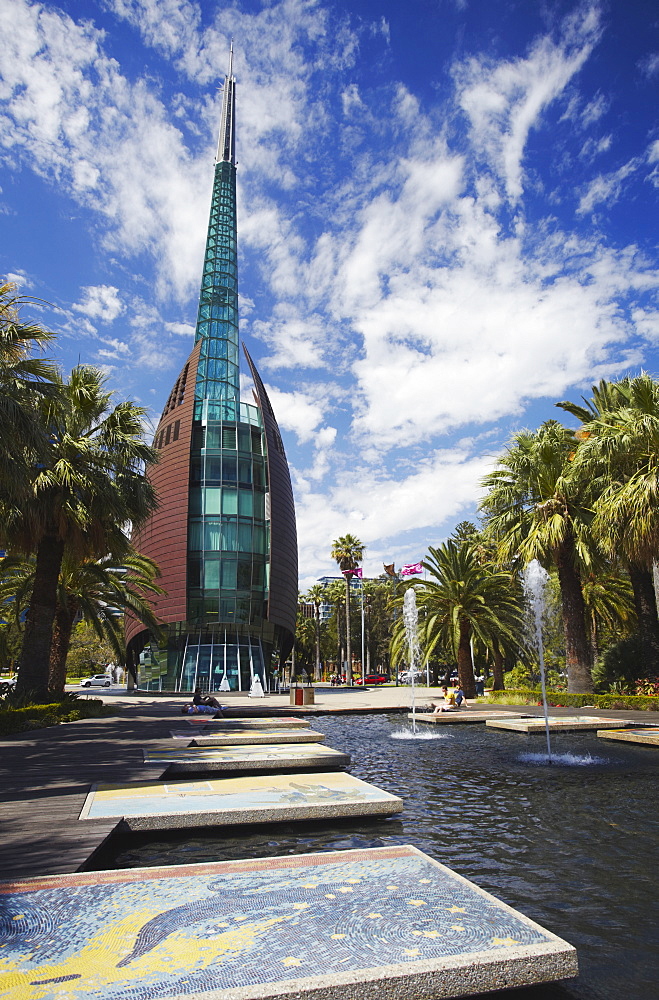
[
  {"x": 405, "y": 677},
  {"x": 7, "y": 684},
  {"x": 98, "y": 680},
  {"x": 373, "y": 679}
]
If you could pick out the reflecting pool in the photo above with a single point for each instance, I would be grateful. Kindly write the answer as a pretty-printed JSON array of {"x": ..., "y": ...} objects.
[{"x": 573, "y": 846}]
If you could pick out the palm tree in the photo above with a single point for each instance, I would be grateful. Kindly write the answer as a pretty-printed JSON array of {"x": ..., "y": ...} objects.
[
  {"x": 83, "y": 496},
  {"x": 348, "y": 552},
  {"x": 464, "y": 598},
  {"x": 536, "y": 508},
  {"x": 22, "y": 379},
  {"x": 315, "y": 595},
  {"x": 99, "y": 591},
  {"x": 618, "y": 451}
]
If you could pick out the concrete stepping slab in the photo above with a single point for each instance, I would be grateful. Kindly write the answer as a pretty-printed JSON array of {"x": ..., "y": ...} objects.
[
  {"x": 235, "y": 725},
  {"x": 649, "y": 734},
  {"x": 246, "y": 738},
  {"x": 381, "y": 924},
  {"x": 271, "y": 757},
  {"x": 178, "y": 804},
  {"x": 461, "y": 715},
  {"x": 567, "y": 723}
]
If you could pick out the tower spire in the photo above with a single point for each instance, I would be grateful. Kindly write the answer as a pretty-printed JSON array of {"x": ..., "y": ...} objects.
[{"x": 226, "y": 147}]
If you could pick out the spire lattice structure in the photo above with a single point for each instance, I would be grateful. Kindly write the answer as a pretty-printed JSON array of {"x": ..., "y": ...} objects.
[
  {"x": 218, "y": 375},
  {"x": 224, "y": 535}
]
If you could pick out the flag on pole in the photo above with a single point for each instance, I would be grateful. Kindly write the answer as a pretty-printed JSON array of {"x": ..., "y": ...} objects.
[
  {"x": 412, "y": 569},
  {"x": 357, "y": 571},
  {"x": 390, "y": 569}
]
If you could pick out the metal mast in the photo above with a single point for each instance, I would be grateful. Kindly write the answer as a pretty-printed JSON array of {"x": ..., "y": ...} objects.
[{"x": 217, "y": 319}]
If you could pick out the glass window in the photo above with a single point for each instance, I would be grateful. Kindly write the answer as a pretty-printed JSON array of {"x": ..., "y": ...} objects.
[
  {"x": 244, "y": 574},
  {"x": 257, "y": 575},
  {"x": 195, "y": 470},
  {"x": 229, "y": 574},
  {"x": 211, "y": 574},
  {"x": 198, "y": 438},
  {"x": 259, "y": 540},
  {"x": 229, "y": 467},
  {"x": 245, "y": 503},
  {"x": 229, "y": 500},
  {"x": 244, "y": 441},
  {"x": 213, "y": 436},
  {"x": 177, "y": 429},
  {"x": 244, "y": 536},
  {"x": 212, "y": 500},
  {"x": 194, "y": 573},
  {"x": 227, "y": 611},
  {"x": 229, "y": 534},
  {"x": 257, "y": 472},
  {"x": 194, "y": 503},
  {"x": 213, "y": 469},
  {"x": 212, "y": 536},
  {"x": 195, "y": 536},
  {"x": 244, "y": 471},
  {"x": 256, "y": 442},
  {"x": 229, "y": 437},
  {"x": 168, "y": 433},
  {"x": 259, "y": 505}
]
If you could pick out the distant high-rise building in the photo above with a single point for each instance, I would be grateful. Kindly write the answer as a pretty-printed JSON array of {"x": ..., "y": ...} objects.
[{"x": 224, "y": 534}]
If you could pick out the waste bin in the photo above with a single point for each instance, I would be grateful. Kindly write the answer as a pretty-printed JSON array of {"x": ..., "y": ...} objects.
[
  {"x": 296, "y": 696},
  {"x": 309, "y": 696}
]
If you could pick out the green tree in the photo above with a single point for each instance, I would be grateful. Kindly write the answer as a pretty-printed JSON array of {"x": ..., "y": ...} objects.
[
  {"x": 23, "y": 379},
  {"x": 316, "y": 595},
  {"x": 619, "y": 445},
  {"x": 99, "y": 591},
  {"x": 83, "y": 497},
  {"x": 88, "y": 654},
  {"x": 348, "y": 552},
  {"x": 464, "y": 598},
  {"x": 536, "y": 508}
]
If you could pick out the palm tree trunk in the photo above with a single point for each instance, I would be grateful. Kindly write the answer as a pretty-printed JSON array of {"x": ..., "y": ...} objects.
[
  {"x": 465, "y": 663},
  {"x": 35, "y": 654},
  {"x": 646, "y": 612},
  {"x": 317, "y": 627},
  {"x": 59, "y": 650},
  {"x": 348, "y": 637},
  {"x": 578, "y": 653},
  {"x": 497, "y": 671}
]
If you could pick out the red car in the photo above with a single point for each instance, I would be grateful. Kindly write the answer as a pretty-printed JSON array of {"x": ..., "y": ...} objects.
[{"x": 373, "y": 679}]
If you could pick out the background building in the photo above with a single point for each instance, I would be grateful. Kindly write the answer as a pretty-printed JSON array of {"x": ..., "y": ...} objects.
[{"x": 224, "y": 535}]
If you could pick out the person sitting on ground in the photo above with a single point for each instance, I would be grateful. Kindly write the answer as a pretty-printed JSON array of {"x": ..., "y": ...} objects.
[
  {"x": 199, "y": 699},
  {"x": 449, "y": 703},
  {"x": 459, "y": 697}
]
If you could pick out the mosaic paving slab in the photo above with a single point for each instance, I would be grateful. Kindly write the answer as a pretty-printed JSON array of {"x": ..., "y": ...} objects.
[
  {"x": 648, "y": 734},
  {"x": 173, "y": 805},
  {"x": 271, "y": 757},
  {"x": 461, "y": 716},
  {"x": 372, "y": 924},
  {"x": 256, "y": 736},
  {"x": 567, "y": 723},
  {"x": 235, "y": 725}
]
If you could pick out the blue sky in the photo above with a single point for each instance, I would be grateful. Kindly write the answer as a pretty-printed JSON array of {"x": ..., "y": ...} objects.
[{"x": 447, "y": 222}]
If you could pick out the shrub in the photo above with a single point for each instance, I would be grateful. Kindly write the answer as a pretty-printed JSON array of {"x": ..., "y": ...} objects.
[
  {"x": 620, "y": 664},
  {"x": 531, "y": 696},
  {"x": 25, "y": 717}
]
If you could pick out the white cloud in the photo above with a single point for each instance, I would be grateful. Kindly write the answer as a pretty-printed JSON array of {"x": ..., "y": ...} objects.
[
  {"x": 296, "y": 411},
  {"x": 100, "y": 302},
  {"x": 606, "y": 189},
  {"x": 504, "y": 100}
]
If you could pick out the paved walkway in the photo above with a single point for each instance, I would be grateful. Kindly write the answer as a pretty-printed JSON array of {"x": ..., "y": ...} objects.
[{"x": 45, "y": 775}]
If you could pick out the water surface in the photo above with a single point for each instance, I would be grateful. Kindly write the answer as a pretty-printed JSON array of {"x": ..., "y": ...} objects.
[{"x": 572, "y": 846}]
